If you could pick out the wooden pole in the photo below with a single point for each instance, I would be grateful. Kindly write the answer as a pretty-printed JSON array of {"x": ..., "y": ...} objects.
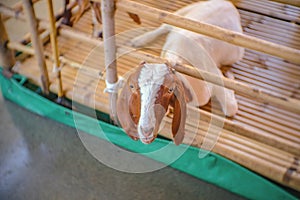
[
  {"x": 37, "y": 44},
  {"x": 108, "y": 9},
  {"x": 53, "y": 39},
  {"x": 7, "y": 59},
  {"x": 290, "y": 54}
]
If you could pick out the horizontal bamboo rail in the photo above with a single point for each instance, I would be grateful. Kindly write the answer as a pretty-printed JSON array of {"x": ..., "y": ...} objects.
[
  {"x": 290, "y": 54},
  {"x": 290, "y": 104}
]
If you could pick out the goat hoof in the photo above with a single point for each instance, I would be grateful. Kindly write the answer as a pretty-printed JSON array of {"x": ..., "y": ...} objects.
[
  {"x": 100, "y": 35},
  {"x": 231, "y": 110}
]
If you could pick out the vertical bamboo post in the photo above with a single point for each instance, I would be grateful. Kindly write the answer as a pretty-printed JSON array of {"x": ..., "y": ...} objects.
[
  {"x": 37, "y": 44},
  {"x": 53, "y": 39},
  {"x": 7, "y": 59},
  {"x": 108, "y": 9}
]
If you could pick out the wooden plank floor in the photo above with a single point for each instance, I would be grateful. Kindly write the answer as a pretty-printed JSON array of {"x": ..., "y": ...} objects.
[{"x": 267, "y": 20}]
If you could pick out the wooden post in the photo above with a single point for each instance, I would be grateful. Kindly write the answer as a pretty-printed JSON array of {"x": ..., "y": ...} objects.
[
  {"x": 7, "y": 59},
  {"x": 37, "y": 44},
  {"x": 55, "y": 53},
  {"x": 108, "y": 9}
]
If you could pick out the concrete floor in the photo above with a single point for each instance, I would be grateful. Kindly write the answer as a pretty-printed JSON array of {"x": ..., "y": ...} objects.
[{"x": 43, "y": 159}]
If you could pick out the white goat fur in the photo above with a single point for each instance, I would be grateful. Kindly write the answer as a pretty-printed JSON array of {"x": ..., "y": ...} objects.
[
  {"x": 182, "y": 46},
  {"x": 150, "y": 79}
]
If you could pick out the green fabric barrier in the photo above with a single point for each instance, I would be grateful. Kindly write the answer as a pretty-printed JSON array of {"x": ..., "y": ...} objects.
[{"x": 213, "y": 168}]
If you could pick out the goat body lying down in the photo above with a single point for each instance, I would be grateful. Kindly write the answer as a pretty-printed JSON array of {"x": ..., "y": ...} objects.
[{"x": 143, "y": 103}]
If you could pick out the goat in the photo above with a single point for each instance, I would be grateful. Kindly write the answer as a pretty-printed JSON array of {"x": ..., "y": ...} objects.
[
  {"x": 96, "y": 15},
  {"x": 186, "y": 47},
  {"x": 144, "y": 101},
  {"x": 152, "y": 87}
]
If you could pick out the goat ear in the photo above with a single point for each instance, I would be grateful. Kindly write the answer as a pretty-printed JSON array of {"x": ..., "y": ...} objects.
[
  {"x": 185, "y": 84},
  {"x": 179, "y": 118},
  {"x": 123, "y": 112}
]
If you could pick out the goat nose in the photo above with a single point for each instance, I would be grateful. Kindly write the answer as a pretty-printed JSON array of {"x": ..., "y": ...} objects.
[{"x": 147, "y": 131}]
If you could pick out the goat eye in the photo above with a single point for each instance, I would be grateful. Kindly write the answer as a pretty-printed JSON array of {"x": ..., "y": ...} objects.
[
  {"x": 171, "y": 90},
  {"x": 131, "y": 86}
]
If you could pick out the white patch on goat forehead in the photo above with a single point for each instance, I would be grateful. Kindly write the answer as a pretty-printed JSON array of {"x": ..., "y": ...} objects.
[
  {"x": 150, "y": 80},
  {"x": 152, "y": 74}
]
